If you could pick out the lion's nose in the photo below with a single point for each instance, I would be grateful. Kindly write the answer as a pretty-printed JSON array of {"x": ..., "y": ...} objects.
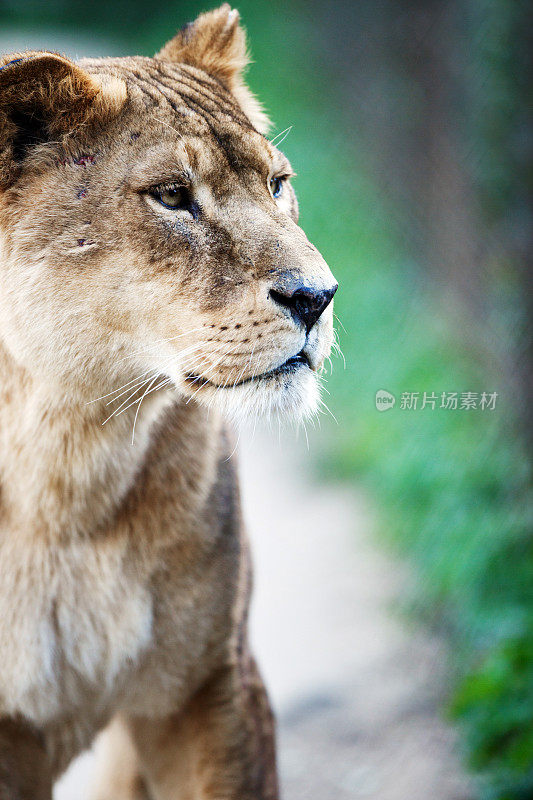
[{"x": 305, "y": 303}]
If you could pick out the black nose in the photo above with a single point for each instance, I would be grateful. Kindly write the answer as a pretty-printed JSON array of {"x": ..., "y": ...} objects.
[{"x": 305, "y": 303}]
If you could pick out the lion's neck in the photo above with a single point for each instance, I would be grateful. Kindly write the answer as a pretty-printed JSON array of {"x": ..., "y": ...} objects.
[{"x": 62, "y": 472}]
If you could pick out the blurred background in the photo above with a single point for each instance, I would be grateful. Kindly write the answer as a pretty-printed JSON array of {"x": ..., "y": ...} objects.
[{"x": 407, "y": 577}]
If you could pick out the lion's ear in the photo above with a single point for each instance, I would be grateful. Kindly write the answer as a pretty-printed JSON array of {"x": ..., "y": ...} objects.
[
  {"x": 42, "y": 97},
  {"x": 216, "y": 43}
]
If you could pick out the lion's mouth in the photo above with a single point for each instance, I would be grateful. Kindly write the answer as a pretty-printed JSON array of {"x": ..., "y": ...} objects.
[{"x": 288, "y": 367}]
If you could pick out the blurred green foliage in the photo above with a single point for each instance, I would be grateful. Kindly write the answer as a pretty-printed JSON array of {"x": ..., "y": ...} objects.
[{"x": 453, "y": 488}]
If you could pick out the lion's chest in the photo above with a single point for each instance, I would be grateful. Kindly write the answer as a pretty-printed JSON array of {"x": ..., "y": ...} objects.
[
  {"x": 72, "y": 622},
  {"x": 86, "y": 631}
]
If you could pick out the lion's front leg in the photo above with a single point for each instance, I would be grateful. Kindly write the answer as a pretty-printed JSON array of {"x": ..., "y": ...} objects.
[
  {"x": 117, "y": 774},
  {"x": 25, "y": 772},
  {"x": 221, "y": 746}
]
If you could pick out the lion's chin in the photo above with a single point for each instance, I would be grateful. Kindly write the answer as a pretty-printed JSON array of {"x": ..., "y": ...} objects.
[{"x": 290, "y": 396}]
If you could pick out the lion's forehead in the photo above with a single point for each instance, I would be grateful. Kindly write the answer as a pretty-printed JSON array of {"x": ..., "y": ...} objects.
[{"x": 193, "y": 107}]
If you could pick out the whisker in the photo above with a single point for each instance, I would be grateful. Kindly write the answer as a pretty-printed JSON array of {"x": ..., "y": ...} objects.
[
  {"x": 138, "y": 382},
  {"x": 330, "y": 412},
  {"x": 103, "y": 397},
  {"x": 223, "y": 386},
  {"x": 306, "y": 436},
  {"x": 138, "y": 400},
  {"x": 147, "y": 391},
  {"x": 139, "y": 379},
  {"x": 283, "y": 134},
  {"x": 210, "y": 369},
  {"x": 198, "y": 360},
  {"x": 337, "y": 350},
  {"x": 246, "y": 365},
  {"x": 340, "y": 323},
  {"x": 139, "y": 407},
  {"x": 236, "y": 446},
  {"x": 143, "y": 380},
  {"x": 118, "y": 411},
  {"x": 159, "y": 342},
  {"x": 203, "y": 358}
]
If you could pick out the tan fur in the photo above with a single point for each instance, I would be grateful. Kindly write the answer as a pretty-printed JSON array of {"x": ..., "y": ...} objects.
[
  {"x": 216, "y": 43},
  {"x": 124, "y": 574}
]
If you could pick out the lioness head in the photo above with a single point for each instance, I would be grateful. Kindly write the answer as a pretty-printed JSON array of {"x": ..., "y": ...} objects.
[{"x": 149, "y": 230}]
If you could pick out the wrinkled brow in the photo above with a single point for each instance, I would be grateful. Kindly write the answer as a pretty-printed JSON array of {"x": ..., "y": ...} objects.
[
  {"x": 282, "y": 165},
  {"x": 160, "y": 164}
]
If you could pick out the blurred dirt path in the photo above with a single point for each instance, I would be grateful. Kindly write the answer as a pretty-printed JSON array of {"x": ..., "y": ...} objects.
[{"x": 355, "y": 691}]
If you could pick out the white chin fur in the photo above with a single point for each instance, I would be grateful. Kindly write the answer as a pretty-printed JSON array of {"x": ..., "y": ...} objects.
[{"x": 295, "y": 396}]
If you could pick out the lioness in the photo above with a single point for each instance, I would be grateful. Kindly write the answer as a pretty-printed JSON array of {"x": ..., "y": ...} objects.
[{"x": 152, "y": 277}]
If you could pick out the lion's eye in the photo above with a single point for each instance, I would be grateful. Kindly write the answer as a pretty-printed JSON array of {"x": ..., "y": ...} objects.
[
  {"x": 276, "y": 187},
  {"x": 172, "y": 196}
]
